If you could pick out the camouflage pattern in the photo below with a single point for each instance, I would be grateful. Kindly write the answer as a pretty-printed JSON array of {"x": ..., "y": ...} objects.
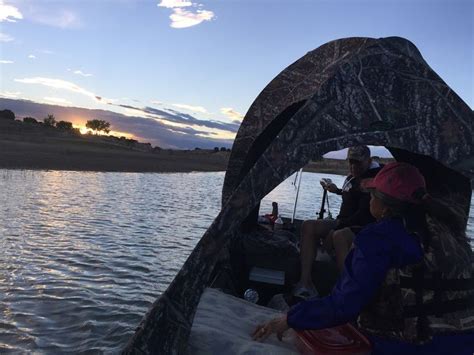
[
  {"x": 354, "y": 91},
  {"x": 449, "y": 254}
]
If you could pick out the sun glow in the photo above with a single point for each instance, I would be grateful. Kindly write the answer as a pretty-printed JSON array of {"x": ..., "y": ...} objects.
[{"x": 85, "y": 130}]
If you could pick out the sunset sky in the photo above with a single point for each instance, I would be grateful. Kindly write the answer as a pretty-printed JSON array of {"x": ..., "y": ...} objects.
[{"x": 194, "y": 68}]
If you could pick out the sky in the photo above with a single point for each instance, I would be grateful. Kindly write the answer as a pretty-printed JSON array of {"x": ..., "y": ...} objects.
[{"x": 193, "y": 69}]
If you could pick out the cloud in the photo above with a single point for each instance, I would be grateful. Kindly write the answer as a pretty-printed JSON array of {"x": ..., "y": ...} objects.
[
  {"x": 183, "y": 18},
  {"x": 6, "y": 62},
  {"x": 32, "y": 56},
  {"x": 64, "y": 19},
  {"x": 199, "y": 109},
  {"x": 10, "y": 95},
  {"x": 5, "y": 38},
  {"x": 9, "y": 13},
  {"x": 156, "y": 102},
  {"x": 57, "y": 84},
  {"x": 144, "y": 129},
  {"x": 232, "y": 114},
  {"x": 79, "y": 72},
  {"x": 58, "y": 100},
  {"x": 181, "y": 118},
  {"x": 170, "y": 4},
  {"x": 64, "y": 85}
]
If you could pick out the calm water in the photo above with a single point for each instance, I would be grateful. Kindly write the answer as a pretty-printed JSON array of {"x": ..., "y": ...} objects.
[{"x": 85, "y": 254}]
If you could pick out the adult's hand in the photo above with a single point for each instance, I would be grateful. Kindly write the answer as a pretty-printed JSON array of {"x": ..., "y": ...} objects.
[
  {"x": 277, "y": 325},
  {"x": 332, "y": 188}
]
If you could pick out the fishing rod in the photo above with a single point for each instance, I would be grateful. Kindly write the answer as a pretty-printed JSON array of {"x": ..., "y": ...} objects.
[
  {"x": 297, "y": 193},
  {"x": 325, "y": 200}
]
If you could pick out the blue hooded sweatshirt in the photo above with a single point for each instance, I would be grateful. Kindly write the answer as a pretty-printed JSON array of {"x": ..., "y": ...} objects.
[{"x": 377, "y": 248}]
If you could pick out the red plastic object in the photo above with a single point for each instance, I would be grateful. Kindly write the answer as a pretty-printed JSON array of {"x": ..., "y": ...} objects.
[{"x": 342, "y": 340}]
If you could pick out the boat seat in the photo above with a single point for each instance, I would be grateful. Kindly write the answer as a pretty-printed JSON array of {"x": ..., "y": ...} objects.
[{"x": 223, "y": 324}]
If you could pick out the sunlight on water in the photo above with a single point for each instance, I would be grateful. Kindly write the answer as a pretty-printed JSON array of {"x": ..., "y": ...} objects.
[{"x": 85, "y": 254}]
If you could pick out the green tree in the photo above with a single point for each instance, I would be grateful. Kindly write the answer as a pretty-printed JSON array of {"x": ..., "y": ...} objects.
[
  {"x": 65, "y": 125},
  {"x": 98, "y": 126},
  {"x": 49, "y": 121},
  {"x": 7, "y": 114}
]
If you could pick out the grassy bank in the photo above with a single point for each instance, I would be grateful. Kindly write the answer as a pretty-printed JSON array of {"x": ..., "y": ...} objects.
[{"x": 29, "y": 146}]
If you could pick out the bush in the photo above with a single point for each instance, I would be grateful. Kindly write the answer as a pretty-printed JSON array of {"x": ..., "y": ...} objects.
[
  {"x": 30, "y": 120},
  {"x": 216, "y": 149},
  {"x": 64, "y": 125},
  {"x": 7, "y": 115},
  {"x": 49, "y": 121}
]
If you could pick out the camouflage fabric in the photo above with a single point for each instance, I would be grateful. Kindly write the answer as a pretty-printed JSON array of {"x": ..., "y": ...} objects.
[
  {"x": 452, "y": 257},
  {"x": 348, "y": 92}
]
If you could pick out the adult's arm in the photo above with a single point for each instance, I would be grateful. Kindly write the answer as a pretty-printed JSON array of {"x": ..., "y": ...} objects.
[{"x": 364, "y": 271}]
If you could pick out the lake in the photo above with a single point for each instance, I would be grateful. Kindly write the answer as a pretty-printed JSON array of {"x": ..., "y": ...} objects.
[{"x": 85, "y": 254}]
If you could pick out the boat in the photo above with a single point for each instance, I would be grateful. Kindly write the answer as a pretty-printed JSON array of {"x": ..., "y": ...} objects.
[{"x": 347, "y": 92}]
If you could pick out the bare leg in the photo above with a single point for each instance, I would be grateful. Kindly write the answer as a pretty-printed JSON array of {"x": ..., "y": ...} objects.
[
  {"x": 342, "y": 240},
  {"x": 312, "y": 232},
  {"x": 307, "y": 252}
]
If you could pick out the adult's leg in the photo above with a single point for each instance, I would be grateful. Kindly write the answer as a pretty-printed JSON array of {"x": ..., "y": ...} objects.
[
  {"x": 342, "y": 240},
  {"x": 312, "y": 232}
]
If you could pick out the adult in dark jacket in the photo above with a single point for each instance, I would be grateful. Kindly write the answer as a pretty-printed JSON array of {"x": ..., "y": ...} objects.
[
  {"x": 338, "y": 234},
  {"x": 408, "y": 281}
]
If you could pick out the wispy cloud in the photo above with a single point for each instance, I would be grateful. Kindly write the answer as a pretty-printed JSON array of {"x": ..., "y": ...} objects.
[
  {"x": 183, "y": 18},
  {"x": 156, "y": 102},
  {"x": 9, "y": 94},
  {"x": 180, "y": 118},
  {"x": 81, "y": 73},
  {"x": 6, "y": 61},
  {"x": 232, "y": 114},
  {"x": 57, "y": 84},
  {"x": 62, "y": 18},
  {"x": 191, "y": 108},
  {"x": 58, "y": 100},
  {"x": 5, "y": 38},
  {"x": 32, "y": 56},
  {"x": 9, "y": 13},
  {"x": 64, "y": 85}
]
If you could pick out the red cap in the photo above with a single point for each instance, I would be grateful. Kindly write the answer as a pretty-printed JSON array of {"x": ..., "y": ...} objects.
[{"x": 401, "y": 181}]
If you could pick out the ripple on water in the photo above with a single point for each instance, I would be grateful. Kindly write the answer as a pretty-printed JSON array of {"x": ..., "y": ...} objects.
[{"x": 84, "y": 255}]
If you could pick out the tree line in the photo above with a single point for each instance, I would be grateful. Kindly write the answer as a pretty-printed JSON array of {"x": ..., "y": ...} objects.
[{"x": 50, "y": 121}]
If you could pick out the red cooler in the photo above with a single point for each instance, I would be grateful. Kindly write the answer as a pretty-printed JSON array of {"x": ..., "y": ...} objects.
[{"x": 341, "y": 340}]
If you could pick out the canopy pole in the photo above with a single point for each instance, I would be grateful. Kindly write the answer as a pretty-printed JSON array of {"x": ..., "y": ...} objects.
[{"x": 297, "y": 193}]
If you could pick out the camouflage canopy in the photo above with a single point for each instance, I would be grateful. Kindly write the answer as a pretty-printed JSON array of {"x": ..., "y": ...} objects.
[
  {"x": 347, "y": 92},
  {"x": 358, "y": 91}
]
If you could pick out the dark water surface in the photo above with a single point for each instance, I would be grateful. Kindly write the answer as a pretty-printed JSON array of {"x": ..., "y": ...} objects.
[{"x": 83, "y": 255}]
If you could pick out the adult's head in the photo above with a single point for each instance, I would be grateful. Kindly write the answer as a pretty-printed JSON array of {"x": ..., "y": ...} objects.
[
  {"x": 359, "y": 160},
  {"x": 395, "y": 188}
]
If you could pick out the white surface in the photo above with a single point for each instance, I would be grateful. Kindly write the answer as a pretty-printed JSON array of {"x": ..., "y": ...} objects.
[{"x": 223, "y": 324}]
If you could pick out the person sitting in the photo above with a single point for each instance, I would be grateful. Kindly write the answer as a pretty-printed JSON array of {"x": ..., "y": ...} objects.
[
  {"x": 337, "y": 235},
  {"x": 409, "y": 278}
]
